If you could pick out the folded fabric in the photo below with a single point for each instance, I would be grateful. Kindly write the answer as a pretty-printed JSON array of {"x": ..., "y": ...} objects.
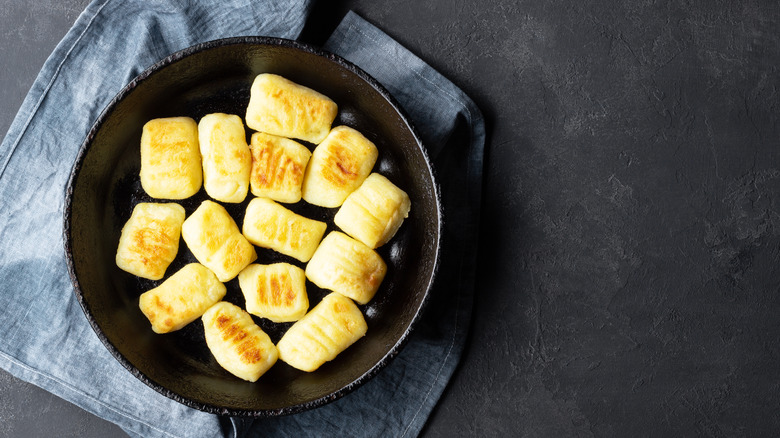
[{"x": 47, "y": 340}]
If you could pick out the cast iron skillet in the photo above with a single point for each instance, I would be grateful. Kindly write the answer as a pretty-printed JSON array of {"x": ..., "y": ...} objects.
[{"x": 104, "y": 187}]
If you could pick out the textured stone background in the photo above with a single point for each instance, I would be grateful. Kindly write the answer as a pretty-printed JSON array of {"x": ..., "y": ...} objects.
[{"x": 628, "y": 277}]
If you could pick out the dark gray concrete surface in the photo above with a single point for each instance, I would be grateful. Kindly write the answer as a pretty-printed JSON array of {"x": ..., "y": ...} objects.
[{"x": 628, "y": 278}]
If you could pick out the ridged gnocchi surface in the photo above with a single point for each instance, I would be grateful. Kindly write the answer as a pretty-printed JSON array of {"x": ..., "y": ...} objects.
[
  {"x": 347, "y": 266},
  {"x": 215, "y": 240},
  {"x": 374, "y": 212},
  {"x": 276, "y": 292},
  {"x": 278, "y": 166},
  {"x": 281, "y": 107},
  {"x": 150, "y": 239},
  {"x": 338, "y": 166},
  {"x": 270, "y": 225},
  {"x": 237, "y": 343},
  {"x": 182, "y": 298},
  {"x": 170, "y": 158},
  {"x": 227, "y": 162},
  {"x": 328, "y": 329}
]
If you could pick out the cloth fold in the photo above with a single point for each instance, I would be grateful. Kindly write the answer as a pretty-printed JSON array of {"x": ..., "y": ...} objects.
[{"x": 48, "y": 341}]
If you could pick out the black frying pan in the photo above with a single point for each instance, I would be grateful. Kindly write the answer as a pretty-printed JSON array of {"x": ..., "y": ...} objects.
[{"x": 104, "y": 187}]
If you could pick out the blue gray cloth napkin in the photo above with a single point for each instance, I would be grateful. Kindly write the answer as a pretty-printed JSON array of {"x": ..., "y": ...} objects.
[{"x": 46, "y": 339}]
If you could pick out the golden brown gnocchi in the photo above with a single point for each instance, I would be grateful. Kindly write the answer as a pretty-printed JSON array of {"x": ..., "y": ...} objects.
[
  {"x": 170, "y": 158},
  {"x": 338, "y": 166},
  {"x": 270, "y": 225},
  {"x": 332, "y": 325},
  {"x": 276, "y": 292},
  {"x": 374, "y": 212},
  {"x": 237, "y": 343},
  {"x": 215, "y": 240},
  {"x": 182, "y": 298},
  {"x": 347, "y": 266},
  {"x": 281, "y": 107},
  {"x": 179, "y": 156},
  {"x": 278, "y": 165},
  {"x": 225, "y": 155},
  {"x": 150, "y": 239}
]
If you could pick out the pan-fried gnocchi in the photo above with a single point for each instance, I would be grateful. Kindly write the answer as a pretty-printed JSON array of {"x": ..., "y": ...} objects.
[
  {"x": 278, "y": 165},
  {"x": 338, "y": 166},
  {"x": 281, "y": 107},
  {"x": 332, "y": 325},
  {"x": 374, "y": 212},
  {"x": 276, "y": 292},
  {"x": 237, "y": 343},
  {"x": 150, "y": 239},
  {"x": 347, "y": 266},
  {"x": 225, "y": 155},
  {"x": 170, "y": 158},
  {"x": 270, "y": 225},
  {"x": 182, "y": 298},
  {"x": 179, "y": 156},
  {"x": 215, "y": 240}
]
